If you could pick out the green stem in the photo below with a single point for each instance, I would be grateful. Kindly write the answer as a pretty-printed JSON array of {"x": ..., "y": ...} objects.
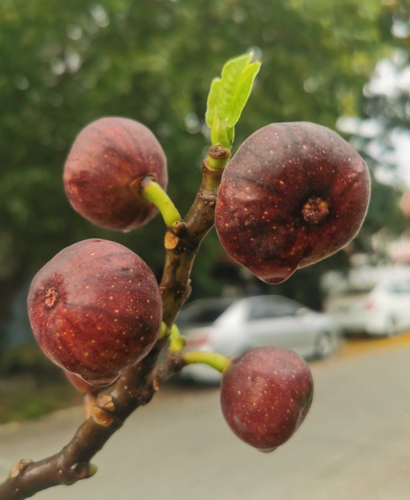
[
  {"x": 154, "y": 193},
  {"x": 215, "y": 164},
  {"x": 163, "y": 331},
  {"x": 218, "y": 157},
  {"x": 213, "y": 359},
  {"x": 178, "y": 342},
  {"x": 175, "y": 333}
]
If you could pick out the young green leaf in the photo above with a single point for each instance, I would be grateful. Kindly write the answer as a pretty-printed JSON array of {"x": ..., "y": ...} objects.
[
  {"x": 228, "y": 96},
  {"x": 241, "y": 95},
  {"x": 214, "y": 98},
  {"x": 231, "y": 74}
]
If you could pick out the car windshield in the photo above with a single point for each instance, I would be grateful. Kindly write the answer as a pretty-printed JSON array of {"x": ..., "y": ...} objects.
[
  {"x": 203, "y": 312},
  {"x": 272, "y": 307}
]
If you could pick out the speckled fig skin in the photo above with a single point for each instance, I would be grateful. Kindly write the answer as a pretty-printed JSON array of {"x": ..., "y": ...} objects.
[
  {"x": 107, "y": 162},
  {"x": 95, "y": 310},
  {"x": 293, "y": 194},
  {"x": 266, "y": 395},
  {"x": 80, "y": 384}
]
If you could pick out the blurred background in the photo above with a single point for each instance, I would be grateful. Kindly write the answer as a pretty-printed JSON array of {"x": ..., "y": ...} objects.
[{"x": 345, "y": 65}]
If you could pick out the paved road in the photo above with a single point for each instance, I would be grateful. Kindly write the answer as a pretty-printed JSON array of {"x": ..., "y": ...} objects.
[{"x": 354, "y": 445}]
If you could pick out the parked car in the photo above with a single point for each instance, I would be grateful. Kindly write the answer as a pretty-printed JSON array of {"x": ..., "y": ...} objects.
[
  {"x": 377, "y": 309},
  {"x": 233, "y": 326}
]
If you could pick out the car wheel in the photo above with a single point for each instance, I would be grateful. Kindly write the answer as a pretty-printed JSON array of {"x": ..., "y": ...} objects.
[{"x": 325, "y": 345}]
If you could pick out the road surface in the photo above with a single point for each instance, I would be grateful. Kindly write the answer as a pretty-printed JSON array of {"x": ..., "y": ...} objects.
[{"x": 354, "y": 445}]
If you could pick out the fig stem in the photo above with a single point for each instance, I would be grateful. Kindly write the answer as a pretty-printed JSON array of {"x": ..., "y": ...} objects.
[
  {"x": 178, "y": 342},
  {"x": 154, "y": 193},
  {"x": 175, "y": 333},
  {"x": 217, "y": 361},
  {"x": 163, "y": 331}
]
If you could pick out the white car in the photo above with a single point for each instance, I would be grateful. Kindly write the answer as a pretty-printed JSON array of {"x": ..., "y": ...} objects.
[
  {"x": 233, "y": 326},
  {"x": 377, "y": 309}
]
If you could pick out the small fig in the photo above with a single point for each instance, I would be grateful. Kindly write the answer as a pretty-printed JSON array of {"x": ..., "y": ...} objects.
[
  {"x": 95, "y": 310},
  {"x": 105, "y": 167},
  {"x": 266, "y": 395},
  {"x": 293, "y": 194}
]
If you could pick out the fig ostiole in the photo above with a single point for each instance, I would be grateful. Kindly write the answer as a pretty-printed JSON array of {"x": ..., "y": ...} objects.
[
  {"x": 292, "y": 195},
  {"x": 95, "y": 310}
]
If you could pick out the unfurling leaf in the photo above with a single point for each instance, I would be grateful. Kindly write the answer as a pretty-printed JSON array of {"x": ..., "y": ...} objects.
[
  {"x": 243, "y": 90},
  {"x": 214, "y": 98},
  {"x": 228, "y": 96}
]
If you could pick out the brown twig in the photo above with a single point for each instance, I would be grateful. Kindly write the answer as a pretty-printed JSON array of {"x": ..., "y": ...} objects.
[{"x": 136, "y": 386}]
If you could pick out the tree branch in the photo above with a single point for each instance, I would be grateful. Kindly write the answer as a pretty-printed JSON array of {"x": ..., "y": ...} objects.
[{"x": 137, "y": 385}]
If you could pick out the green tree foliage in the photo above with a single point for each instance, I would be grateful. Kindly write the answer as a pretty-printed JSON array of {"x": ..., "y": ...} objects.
[
  {"x": 64, "y": 64},
  {"x": 382, "y": 132}
]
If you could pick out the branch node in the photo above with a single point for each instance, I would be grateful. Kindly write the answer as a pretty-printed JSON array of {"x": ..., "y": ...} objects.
[
  {"x": 102, "y": 417},
  {"x": 219, "y": 152},
  {"x": 179, "y": 228},
  {"x": 81, "y": 471},
  {"x": 171, "y": 240},
  {"x": 207, "y": 197},
  {"x": 106, "y": 402},
  {"x": 20, "y": 467}
]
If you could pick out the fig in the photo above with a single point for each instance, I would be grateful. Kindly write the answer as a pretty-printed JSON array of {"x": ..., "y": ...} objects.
[
  {"x": 105, "y": 167},
  {"x": 266, "y": 395},
  {"x": 292, "y": 195},
  {"x": 95, "y": 310}
]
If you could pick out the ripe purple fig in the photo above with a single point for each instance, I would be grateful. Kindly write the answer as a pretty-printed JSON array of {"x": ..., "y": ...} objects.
[
  {"x": 266, "y": 395},
  {"x": 95, "y": 310},
  {"x": 102, "y": 175},
  {"x": 293, "y": 194}
]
